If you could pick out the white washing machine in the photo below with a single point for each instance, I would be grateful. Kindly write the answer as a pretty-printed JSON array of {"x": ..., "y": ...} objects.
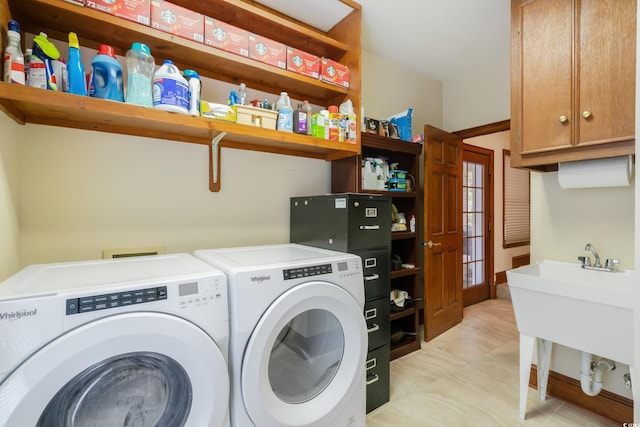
[
  {"x": 298, "y": 339},
  {"x": 129, "y": 342}
]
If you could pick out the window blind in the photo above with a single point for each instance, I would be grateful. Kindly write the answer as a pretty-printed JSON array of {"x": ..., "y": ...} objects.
[{"x": 516, "y": 198}]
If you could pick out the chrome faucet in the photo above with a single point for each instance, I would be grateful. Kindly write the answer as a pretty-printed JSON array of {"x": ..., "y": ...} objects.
[
  {"x": 590, "y": 247},
  {"x": 610, "y": 264}
]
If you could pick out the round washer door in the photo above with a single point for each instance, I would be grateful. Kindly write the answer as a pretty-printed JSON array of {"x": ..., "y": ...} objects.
[
  {"x": 133, "y": 369},
  {"x": 305, "y": 357}
]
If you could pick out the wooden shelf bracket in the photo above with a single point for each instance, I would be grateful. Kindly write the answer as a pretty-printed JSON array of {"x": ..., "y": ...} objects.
[{"x": 214, "y": 162}]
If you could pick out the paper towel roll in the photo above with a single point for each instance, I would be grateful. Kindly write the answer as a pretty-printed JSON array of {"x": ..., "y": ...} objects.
[{"x": 608, "y": 172}]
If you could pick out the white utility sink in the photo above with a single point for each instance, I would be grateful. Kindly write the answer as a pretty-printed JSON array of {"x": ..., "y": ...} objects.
[{"x": 561, "y": 302}]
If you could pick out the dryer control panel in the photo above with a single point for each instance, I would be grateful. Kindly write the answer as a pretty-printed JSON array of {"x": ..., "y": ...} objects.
[
  {"x": 307, "y": 271},
  {"x": 115, "y": 299}
]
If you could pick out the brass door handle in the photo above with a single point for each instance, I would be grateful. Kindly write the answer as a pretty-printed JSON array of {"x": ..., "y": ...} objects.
[
  {"x": 586, "y": 114},
  {"x": 431, "y": 244},
  {"x": 563, "y": 119}
]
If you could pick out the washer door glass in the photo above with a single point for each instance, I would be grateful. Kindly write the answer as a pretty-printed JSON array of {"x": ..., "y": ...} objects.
[
  {"x": 305, "y": 356},
  {"x": 131, "y": 390}
]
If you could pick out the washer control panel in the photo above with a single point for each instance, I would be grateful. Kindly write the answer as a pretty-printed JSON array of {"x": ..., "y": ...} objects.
[
  {"x": 116, "y": 299},
  {"x": 308, "y": 271}
]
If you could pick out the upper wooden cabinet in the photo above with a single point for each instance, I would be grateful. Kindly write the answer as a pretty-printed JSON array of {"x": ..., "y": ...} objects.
[
  {"x": 57, "y": 18},
  {"x": 572, "y": 80}
]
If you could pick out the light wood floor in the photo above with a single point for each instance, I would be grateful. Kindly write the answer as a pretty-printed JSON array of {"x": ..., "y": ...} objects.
[{"x": 468, "y": 376}]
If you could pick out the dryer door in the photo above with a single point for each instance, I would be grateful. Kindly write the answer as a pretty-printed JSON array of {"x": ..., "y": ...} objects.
[
  {"x": 305, "y": 357},
  {"x": 134, "y": 369}
]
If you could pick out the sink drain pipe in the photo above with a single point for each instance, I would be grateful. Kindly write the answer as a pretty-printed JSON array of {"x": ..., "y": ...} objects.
[{"x": 591, "y": 373}]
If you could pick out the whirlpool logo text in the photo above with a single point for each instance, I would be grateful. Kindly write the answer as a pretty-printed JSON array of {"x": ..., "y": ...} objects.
[
  {"x": 17, "y": 315},
  {"x": 260, "y": 279}
]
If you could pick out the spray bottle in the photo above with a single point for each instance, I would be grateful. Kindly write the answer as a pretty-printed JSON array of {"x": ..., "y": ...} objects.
[
  {"x": 75, "y": 68},
  {"x": 40, "y": 67}
]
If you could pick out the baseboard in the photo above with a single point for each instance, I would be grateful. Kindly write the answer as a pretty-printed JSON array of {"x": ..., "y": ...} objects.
[
  {"x": 607, "y": 404},
  {"x": 501, "y": 277}
]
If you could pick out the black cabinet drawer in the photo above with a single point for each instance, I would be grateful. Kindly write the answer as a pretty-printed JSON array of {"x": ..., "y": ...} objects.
[
  {"x": 377, "y": 366},
  {"x": 375, "y": 269},
  {"x": 376, "y": 314}
]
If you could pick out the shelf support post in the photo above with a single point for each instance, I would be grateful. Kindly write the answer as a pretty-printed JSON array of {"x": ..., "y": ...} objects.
[{"x": 214, "y": 162}]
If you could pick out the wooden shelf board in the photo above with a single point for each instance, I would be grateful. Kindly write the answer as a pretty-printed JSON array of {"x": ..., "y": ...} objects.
[
  {"x": 407, "y": 346},
  {"x": 404, "y": 272},
  {"x": 32, "y": 105},
  {"x": 404, "y": 313},
  {"x": 373, "y": 140},
  {"x": 402, "y": 235}
]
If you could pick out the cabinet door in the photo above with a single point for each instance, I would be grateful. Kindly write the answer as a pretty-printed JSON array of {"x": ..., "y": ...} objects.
[
  {"x": 545, "y": 45},
  {"x": 606, "y": 64}
]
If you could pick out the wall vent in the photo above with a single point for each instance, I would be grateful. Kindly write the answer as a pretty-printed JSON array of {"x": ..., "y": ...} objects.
[{"x": 132, "y": 252}]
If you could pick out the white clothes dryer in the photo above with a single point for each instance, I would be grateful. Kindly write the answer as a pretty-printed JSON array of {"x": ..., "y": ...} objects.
[
  {"x": 298, "y": 339},
  {"x": 128, "y": 342}
]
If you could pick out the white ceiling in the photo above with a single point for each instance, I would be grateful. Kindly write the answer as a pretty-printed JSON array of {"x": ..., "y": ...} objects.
[{"x": 436, "y": 38}]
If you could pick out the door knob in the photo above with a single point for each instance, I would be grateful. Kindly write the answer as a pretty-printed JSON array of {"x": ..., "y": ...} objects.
[
  {"x": 563, "y": 119},
  {"x": 431, "y": 244},
  {"x": 586, "y": 114}
]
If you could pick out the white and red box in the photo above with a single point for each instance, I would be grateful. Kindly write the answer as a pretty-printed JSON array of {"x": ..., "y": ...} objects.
[
  {"x": 225, "y": 36},
  {"x": 133, "y": 10},
  {"x": 303, "y": 62},
  {"x": 334, "y": 72},
  {"x": 268, "y": 51},
  {"x": 177, "y": 20}
]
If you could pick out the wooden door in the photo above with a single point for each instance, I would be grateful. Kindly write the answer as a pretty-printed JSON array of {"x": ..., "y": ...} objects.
[
  {"x": 542, "y": 89},
  {"x": 442, "y": 231},
  {"x": 606, "y": 64}
]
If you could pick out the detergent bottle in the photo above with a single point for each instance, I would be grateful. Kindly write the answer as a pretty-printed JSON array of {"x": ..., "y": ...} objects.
[
  {"x": 285, "y": 113},
  {"x": 170, "y": 89},
  {"x": 13, "y": 56},
  {"x": 75, "y": 68},
  {"x": 106, "y": 75},
  {"x": 41, "y": 73}
]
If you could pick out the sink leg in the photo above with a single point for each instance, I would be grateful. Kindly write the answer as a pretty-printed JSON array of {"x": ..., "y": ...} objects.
[
  {"x": 526, "y": 357},
  {"x": 544, "y": 348}
]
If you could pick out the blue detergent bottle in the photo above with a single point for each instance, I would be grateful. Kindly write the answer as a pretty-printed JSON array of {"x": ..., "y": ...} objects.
[
  {"x": 106, "y": 75},
  {"x": 75, "y": 68}
]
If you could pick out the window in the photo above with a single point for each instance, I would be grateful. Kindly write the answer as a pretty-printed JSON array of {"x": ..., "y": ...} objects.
[{"x": 516, "y": 197}]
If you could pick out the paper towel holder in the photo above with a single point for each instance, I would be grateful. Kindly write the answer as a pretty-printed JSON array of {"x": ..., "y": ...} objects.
[{"x": 596, "y": 173}]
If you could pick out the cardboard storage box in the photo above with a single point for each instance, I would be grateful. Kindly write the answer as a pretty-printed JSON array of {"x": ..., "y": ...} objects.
[
  {"x": 177, "y": 20},
  {"x": 225, "y": 36},
  {"x": 133, "y": 10},
  {"x": 268, "y": 51},
  {"x": 334, "y": 72},
  {"x": 302, "y": 62},
  {"x": 254, "y": 116}
]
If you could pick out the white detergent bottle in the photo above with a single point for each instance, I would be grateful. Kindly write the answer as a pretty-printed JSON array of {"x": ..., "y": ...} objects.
[
  {"x": 13, "y": 56},
  {"x": 170, "y": 89},
  {"x": 285, "y": 113}
]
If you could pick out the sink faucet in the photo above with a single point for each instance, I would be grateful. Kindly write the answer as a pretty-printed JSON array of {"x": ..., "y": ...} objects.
[{"x": 590, "y": 247}]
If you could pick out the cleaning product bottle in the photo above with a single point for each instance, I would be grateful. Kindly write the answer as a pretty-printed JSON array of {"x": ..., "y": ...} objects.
[
  {"x": 106, "y": 75},
  {"x": 40, "y": 67},
  {"x": 75, "y": 68},
  {"x": 242, "y": 94},
  {"x": 27, "y": 60},
  {"x": 140, "y": 67},
  {"x": 300, "y": 120},
  {"x": 285, "y": 113},
  {"x": 233, "y": 98},
  {"x": 193, "y": 79},
  {"x": 306, "y": 107},
  {"x": 13, "y": 56},
  {"x": 334, "y": 118},
  {"x": 170, "y": 89}
]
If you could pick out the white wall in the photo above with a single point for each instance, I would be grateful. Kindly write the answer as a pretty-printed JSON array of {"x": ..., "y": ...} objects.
[
  {"x": 9, "y": 197},
  {"x": 388, "y": 89},
  {"x": 497, "y": 142},
  {"x": 477, "y": 97}
]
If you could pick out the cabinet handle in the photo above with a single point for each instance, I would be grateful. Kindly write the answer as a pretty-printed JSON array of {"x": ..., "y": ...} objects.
[
  {"x": 374, "y": 328},
  {"x": 586, "y": 114},
  {"x": 369, "y": 227},
  {"x": 563, "y": 119},
  {"x": 374, "y": 378},
  {"x": 372, "y": 277}
]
